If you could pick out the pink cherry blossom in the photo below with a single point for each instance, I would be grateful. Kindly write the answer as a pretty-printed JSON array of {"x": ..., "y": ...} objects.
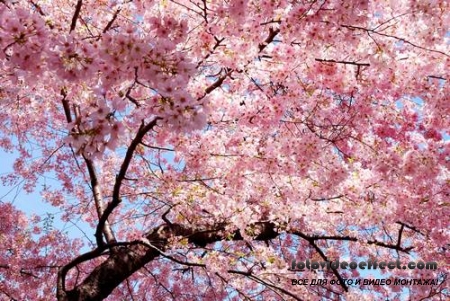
[{"x": 200, "y": 146}]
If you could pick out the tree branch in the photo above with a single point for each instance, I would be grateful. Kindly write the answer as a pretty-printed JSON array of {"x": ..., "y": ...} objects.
[
  {"x": 312, "y": 239},
  {"x": 216, "y": 84},
  {"x": 410, "y": 227},
  {"x": 95, "y": 185},
  {"x": 342, "y": 62},
  {"x": 257, "y": 279},
  {"x": 98, "y": 199},
  {"x": 389, "y": 246},
  {"x": 218, "y": 41},
  {"x": 37, "y": 7},
  {"x": 110, "y": 23},
  {"x": 130, "y": 257},
  {"x": 75, "y": 15},
  {"x": 352, "y": 27},
  {"x": 66, "y": 106},
  {"x": 143, "y": 130},
  {"x": 272, "y": 34}
]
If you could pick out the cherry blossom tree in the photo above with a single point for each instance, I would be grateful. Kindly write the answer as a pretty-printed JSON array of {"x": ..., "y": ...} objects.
[{"x": 210, "y": 143}]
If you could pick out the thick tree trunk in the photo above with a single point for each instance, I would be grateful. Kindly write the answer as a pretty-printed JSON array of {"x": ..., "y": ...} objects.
[
  {"x": 107, "y": 276},
  {"x": 124, "y": 260}
]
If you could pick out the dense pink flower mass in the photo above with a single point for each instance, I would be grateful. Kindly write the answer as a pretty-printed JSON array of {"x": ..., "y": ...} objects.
[{"x": 209, "y": 143}]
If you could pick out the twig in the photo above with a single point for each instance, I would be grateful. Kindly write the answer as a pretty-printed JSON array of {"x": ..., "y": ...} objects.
[{"x": 75, "y": 15}]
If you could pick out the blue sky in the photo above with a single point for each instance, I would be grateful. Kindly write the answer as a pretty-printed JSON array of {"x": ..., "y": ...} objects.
[{"x": 32, "y": 203}]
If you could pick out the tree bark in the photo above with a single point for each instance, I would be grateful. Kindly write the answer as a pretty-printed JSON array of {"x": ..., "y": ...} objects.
[{"x": 125, "y": 259}]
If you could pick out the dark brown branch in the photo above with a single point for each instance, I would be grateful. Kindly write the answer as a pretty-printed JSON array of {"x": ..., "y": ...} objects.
[
  {"x": 164, "y": 216},
  {"x": 143, "y": 130},
  {"x": 256, "y": 84},
  {"x": 342, "y": 62},
  {"x": 132, "y": 99},
  {"x": 66, "y": 106},
  {"x": 220, "y": 80},
  {"x": 272, "y": 34},
  {"x": 399, "y": 238},
  {"x": 216, "y": 84},
  {"x": 332, "y": 237},
  {"x": 218, "y": 41},
  {"x": 24, "y": 272},
  {"x": 205, "y": 11},
  {"x": 130, "y": 291},
  {"x": 328, "y": 199},
  {"x": 312, "y": 239},
  {"x": 410, "y": 227},
  {"x": 38, "y": 8},
  {"x": 76, "y": 15},
  {"x": 270, "y": 22},
  {"x": 437, "y": 77},
  {"x": 397, "y": 246},
  {"x": 110, "y": 23},
  {"x": 389, "y": 246}
]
